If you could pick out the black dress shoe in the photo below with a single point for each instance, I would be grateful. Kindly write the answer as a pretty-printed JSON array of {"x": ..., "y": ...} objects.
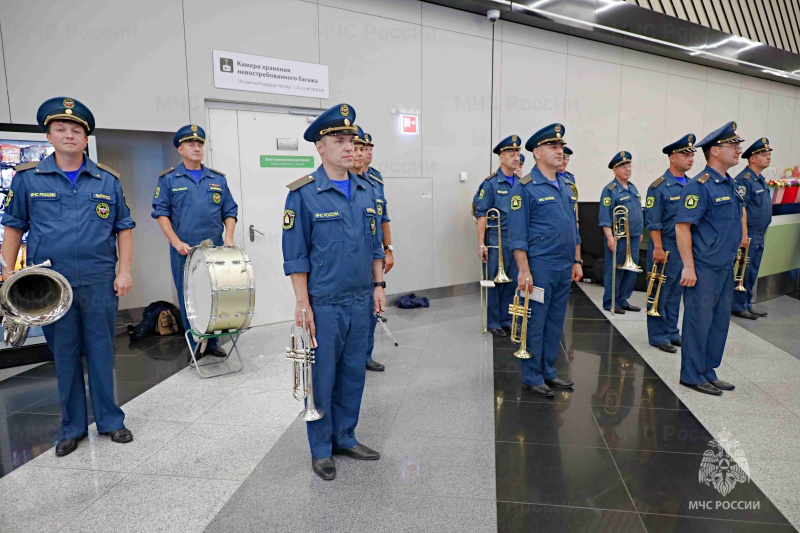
[
  {"x": 507, "y": 329},
  {"x": 705, "y": 388},
  {"x": 541, "y": 390},
  {"x": 745, "y": 314},
  {"x": 559, "y": 383},
  {"x": 675, "y": 343},
  {"x": 119, "y": 435},
  {"x": 358, "y": 452},
  {"x": 617, "y": 311},
  {"x": 669, "y": 348},
  {"x": 498, "y": 332},
  {"x": 375, "y": 366},
  {"x": 633, "y": 308},
  {"x": 758, "y": 313},
  {"x": 324, "y": 467},
  {"x": 216, "y": 352},
  {"x": 67, "y": 446},
  {"x": 723, "y": 385}
]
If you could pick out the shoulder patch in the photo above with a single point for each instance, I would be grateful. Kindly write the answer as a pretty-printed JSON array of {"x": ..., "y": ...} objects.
[
  {"x": 166, "y": 171},
  {"x": 368, "y": 181},
  {"x": 703, "y": 178},
  {"x": 26, "y": 166},
  {"x": 108, "y": 169},
  {"x": 611, "y": 186},
  {"x": 658, "y": 182},
  {"x": 217, "y": 171},
  {"x": 526, "y": 179},
  {"x": 490, "y": 176},
  {"x": 375, "y": 177},
  {"x": 305, "y": 180},
  {"x": 746, "y": 175}
]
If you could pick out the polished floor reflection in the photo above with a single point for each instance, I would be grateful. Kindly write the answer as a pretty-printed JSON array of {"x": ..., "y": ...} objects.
[
  {"x": 30, "y": 411},
  {"x": 618, "y": 453}
]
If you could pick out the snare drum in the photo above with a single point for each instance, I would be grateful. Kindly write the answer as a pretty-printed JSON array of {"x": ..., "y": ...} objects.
[{"x": 219, "y": 289}]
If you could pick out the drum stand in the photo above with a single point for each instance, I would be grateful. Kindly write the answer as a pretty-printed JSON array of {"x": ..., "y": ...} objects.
[{"x": 202, "y": 340}]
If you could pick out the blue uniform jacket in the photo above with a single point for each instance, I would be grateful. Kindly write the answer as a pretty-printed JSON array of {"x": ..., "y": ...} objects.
[
  {"x": 661, "y": 207},
  {"x": 495, "y": 191},
  {"x": 752, "y": 188},
  {"x": 713, "y": 207},
  {"x": 543, "y": 221},
  {"x": 196, "y": 210},
  {"x": 616, "y": 196},
  {"x": 380, "y": 198},
  {"x": 568, "y": 175},
  {"x": 75, "y": 228},
  {"x": 332, "y": 238}
]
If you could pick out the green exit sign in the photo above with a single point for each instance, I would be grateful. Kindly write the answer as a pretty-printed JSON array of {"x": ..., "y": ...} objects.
[{"x": 287, "y": 161}]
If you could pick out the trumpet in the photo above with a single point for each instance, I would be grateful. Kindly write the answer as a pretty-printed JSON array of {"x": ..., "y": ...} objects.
[
  {"x": 519, "y": 322},
  {"x": 301, "y": 353},
  {"x": 652, "y": 277},
  {"x": 621, "y": 229},
  {"x": 742, "y": 260}
]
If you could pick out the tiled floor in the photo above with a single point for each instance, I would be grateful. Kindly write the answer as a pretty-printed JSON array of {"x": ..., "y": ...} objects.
[{"x": 464, "y": 447}]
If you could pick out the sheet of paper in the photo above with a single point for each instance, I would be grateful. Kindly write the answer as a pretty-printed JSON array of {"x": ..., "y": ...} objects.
[{"x": 538, "y": 294}]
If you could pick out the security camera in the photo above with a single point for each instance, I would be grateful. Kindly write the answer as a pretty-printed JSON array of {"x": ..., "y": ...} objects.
[{"x": 493, "y": 15}]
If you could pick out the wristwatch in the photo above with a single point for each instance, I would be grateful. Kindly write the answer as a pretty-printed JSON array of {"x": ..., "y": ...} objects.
[
  {"x": 389, "y": 247},
  {"x": 579, "y": 261},
  {"x": 379, "y": 284}
]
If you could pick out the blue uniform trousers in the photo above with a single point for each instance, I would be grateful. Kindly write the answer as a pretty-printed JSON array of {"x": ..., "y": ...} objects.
[
  {"x": 625, "y": 278},
  {"x": 706, "y": 318},
  {"x": 177, "y": 262},
  {"x": 503, "y": 294},
  {"x": 339, "y": 373},
  {"x": 743, "y": 301},
  {"x": 373, "y": 323},
  {"x": 86, "y": 329},
  {"x": 664, "y": 329},
  {"x": 546, "y": 323}
]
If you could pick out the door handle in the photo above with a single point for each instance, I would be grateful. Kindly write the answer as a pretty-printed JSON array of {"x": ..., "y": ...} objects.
[{"x": 253, "y": 232}]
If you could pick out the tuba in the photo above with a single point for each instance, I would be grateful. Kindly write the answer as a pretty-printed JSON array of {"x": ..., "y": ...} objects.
[
  {"x": 740, "y": 266},
  {"x": 34, "y": 296},
  {"x": 653, "y": 276},
  {"x": 301, "y": 353}
]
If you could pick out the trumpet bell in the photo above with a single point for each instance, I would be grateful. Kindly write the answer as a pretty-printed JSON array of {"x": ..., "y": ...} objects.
[
  {"x": 522, "y": 353},
  {"x": 311, "y": 415},
  {"x": 629, "y": 265},
  {"x": 501, "y": 276}
]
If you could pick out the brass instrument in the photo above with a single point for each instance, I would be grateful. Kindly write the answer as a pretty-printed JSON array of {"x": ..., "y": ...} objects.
[
  {"x": 501, "y": 277},
  {"x": 613, "y": 397},
  {"x": 519, "y": 322},
  {"x": 34, "y": 296},
  {"x": 652, "y": 277},
  {"x": 742, "y": 260},
  {"x": 301, "y": 353},
  {"x": 621, "y": 229}
]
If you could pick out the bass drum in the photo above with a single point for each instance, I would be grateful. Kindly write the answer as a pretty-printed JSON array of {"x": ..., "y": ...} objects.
[{"x": 219, "y": 289}]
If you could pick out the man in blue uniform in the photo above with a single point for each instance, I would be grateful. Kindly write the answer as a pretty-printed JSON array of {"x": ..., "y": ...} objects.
[
  {"x": 375, "y": 178},
  {"x": 332, "y": 251},
  {"x": 752, "y": 187},
  {"x": 661, "y": 207},
  {"x": 709, "y": 228},
  {"x": 562, "y": 168},
  {"x": 495, "y": 192},
  {"x": 621, "y": 192},
  {"x": 544, "y": 238},
  {"x": 192, "y": 203},
  {"x": 76, "y": 214},
  {"x": 520, "y": 172}
]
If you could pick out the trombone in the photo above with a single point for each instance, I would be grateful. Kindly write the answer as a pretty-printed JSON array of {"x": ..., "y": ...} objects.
[
  {"x": 501, "y": 277},
  {"x": 519, "y": 322},
  {"x": 742, "y": 260},
  {"x": 652, "y": 277},
  {"x": 621, "y": 230},
  {"x": 301, "y": 353}
]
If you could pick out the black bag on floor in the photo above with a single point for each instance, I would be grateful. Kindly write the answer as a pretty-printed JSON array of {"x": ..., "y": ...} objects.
[{"x": 160, "y": 318}]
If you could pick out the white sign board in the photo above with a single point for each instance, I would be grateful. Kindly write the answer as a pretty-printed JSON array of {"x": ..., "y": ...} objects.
[{"x": 244, "y": 72}]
